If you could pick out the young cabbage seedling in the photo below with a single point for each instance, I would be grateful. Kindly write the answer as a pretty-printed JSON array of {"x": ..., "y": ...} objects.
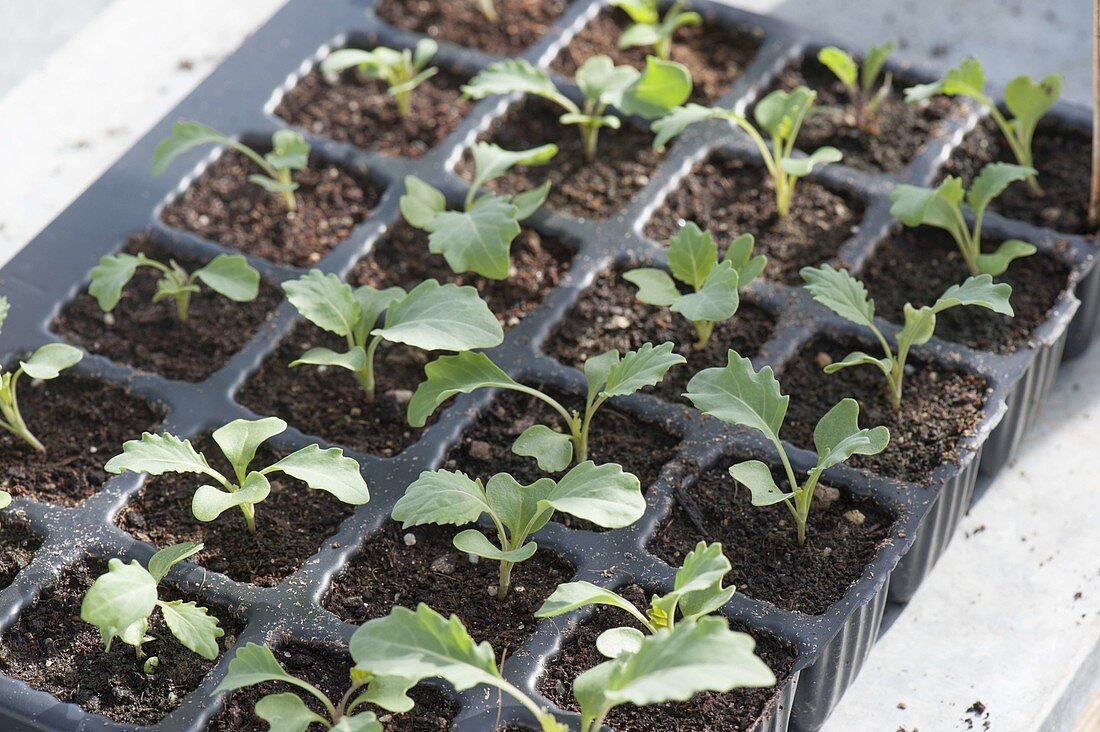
[
  {"x": 46, "y": 363},
  {"x": 1025, "y": 100},
  {"x": 942, "y": 207},
  {"x": 289, "y": 152},
  {"x": 697, "y": 592},
  {"x": 403, "y": 70},
  {"x": 431, "y": 317},
  {"x": 860, "y": 81},
  {"x": 780, "y": 115},
  {"x": 650, "y": 29},
  {"x": 479, "y": 238},
  {"x": 649, "y": 94},
  {"x": 607, "y": 375},
  {"x": 326, "y": 470},
  {"x": 121, "y": 602},
  {"x": 229, "y": 275},
  {"x": 741, "y": 396},
  {"x": 847, "y": 297},
  {"x": 693, "y": 260},
  {"x": 602, "y": 494}
]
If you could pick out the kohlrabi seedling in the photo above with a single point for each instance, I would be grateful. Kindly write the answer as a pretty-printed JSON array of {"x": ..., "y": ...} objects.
[
  {"x": 326, "y": 470},
  {"x": 847, "y": 297},
  {"x": 649, "y": 94},
  {"x": 860, "y": 81},
  {"x": 697, "y": 592},
  {"x": 1026, "y": 101},
  {"x": 403, "y": 70},
  {"x": 479, "y": 238},
  {"x": 607, "y": 375},
  {"x": 255, "y": 664},
  {"x": 741, "y": 396},
  {"x": 44, "y": 364},
  {"x": 650, "y": 29},
  {"x": 431, "y": 317},
  {"x": 693, "y": 260},
  {"x": 289, "y": 152},
  {"x": 780, "y": 115},
  {"x": 602, "y": 494},
  {"x": 229, "y": 275},
  {"x": 121, "y": 602},
  {"x": 942, "y": 207}
]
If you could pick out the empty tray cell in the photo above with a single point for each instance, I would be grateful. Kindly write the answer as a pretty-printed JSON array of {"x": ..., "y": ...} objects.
[
  {"x": 729, "y": 196},
  {"x": 520, "y": 22},
  {"x": 17, "y": 546},
  {"x": 149, "y": 336}
]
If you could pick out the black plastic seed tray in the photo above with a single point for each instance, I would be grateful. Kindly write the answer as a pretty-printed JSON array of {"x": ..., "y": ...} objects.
[{"x": 238, "y": 98}]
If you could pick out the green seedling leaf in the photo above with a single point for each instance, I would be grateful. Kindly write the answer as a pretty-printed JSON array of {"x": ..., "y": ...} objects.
[
  {"x": 5, "y": 499},
  {"x": 511, "y": 76},
  {"x": 402, "y": 70},
  {"x": 185, "y": 136},
  {"x": 603, "y": 494},
  {"x": 446, "y": 376},
  {"x": 663, "y": 86},
  {"x": 163, "y": 561},
  {"x": 838, "y": 436},
  {"x": 253, "y": 664},
  {"x": 441, "y": 497},
  {"x": 193, "y": 627},
  {"x": 209, "y": 502},
  {"x": 640, "y": 11},
  {"x": 992, "y": 182},
  {"x": 655, "y": 287},
  {"x": 109, "y": 277},
  {"x": 859, "y": 358},
  {"x": 801, "y": 167},
  {"x": 698, "y": 582},
  {"x": 571, "y": 596},
  {"x": 840, "y": 63},
  {"x": 739, "y": 395},
  {"x": 757, "y": 477},
  {"x": 123, "y": 597},
  {"x": 492, "y": 161},
  {"x": 421, "y": 202},
  {"x": 638, "y": 369},
  {"x": 478, "y": 240},
  {"x": 232, "y": 277},
  {"x": 50, "y": 360},
  {"x": 692, "y": 255},
  {"x": 441, "y": 317},
  {"x": 158, "y": 454},
  {"x": 355, "y": 359},
  {"x": 1028, "y": 101},
  {"x": 679, "y": 119},
  {"x": 716, "y": 301},
  {"x": 615, "y": 642},
  {"x": 325, "y": 300},
  {"x": 553, "y": 451},
  {"x": 842, "y": 293},
  {"x": 326, "y": 470},
  {"x": 286, "y": 712},
  {"x": 240, "y": 439},
  {"x": 997, "y": 262},
  {"x": 473, "y": 541}
]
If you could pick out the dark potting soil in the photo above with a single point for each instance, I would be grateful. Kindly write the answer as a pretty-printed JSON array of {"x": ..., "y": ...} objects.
[
  {"x": 327, "y": 669},
  {"x": 1063, "y": 157},
  {"x": 359, "y": 111},
  {"x": 624, "y": 164},
  {"x": 762, "y": 546},
  {"x": 388, "y": 572},
  {"x": 80, "y": 672},
  {"x": 291, "y": 523},
  {"x": 82, "y": 422},
  {"x": 939, "y": 407},
  {"x": 222, "y": 206},
  {"x": 728, "y": 197},
  {"x": 734, "y": 711},
  {"x": 329, "y": 403},
  {"x": 918, "y": 265},
  {"x": 716, "y": 55},
  {"x": 402, "y": 259},
  {"x": 17, "y": 546},
  {"x": 149, "y": 336},
  {"x": 608, "y": 315},
  {"x": 890, "y": 140},
  {"x": 520, "y": 23}
]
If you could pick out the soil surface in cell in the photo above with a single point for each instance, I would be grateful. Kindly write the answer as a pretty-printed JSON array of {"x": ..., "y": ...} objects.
[
  {"x": 608, "y": 315},
  {"x": 359, "y": 111},
  {"x": 149, "y": 336},
  {"x": 843, "y": 535},
  {"x": 82, "y": 422},
  {"x": 731, "y": 712},
  {"x": 53, "y": 650},
  {"x": 728, "y": 197},
  {"x": 222, "y": 206},
  {"x": 17, "y": 546},
  {"x": 404, "y": 567},
  {"x": 715, "y": 54},
  {"x": 328, "y": 669},
  {"x": 918, "y": 265},
  {"x": 520, "y": 22},
  {"x": 1062, "y": 157},
  {"x": 402, "y": 259}
]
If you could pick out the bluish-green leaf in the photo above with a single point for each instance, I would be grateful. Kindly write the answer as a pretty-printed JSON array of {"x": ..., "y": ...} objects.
[
  {"x": 992, "y": 181},
  {"x": 436, "y": 317},
  {"x": 231, "y": 276},
  {"x": 193, "y": 626},
  {"x": 478, "y": 240},
  {"x": 168, "y": 557},
  {"x": 328, "y": 470},
  {"x": 253, "y": 664},
  {"x": 717, "y": 300},
  {"x": 286, "y": 712},
  {"x": 109, "y": 277},
  {"x": 472, "y": 541},
  {"x": 421, "y": 203},
  {"x": 240, "y": 439},
  {"x": 210, "y": 502},
  {"x": 552, "y": 450},
  {"x": 997, "y": 262},
  {"x": 603, "y": 494},
  {"x": 641, "y": 368},
  {"x": 740, "y": 395},
  {"x": 838, "y": 436},
  {"x": 842, "y": 293},
  {"x": 441, "y": 497},
  {"x": 692, "y": 254},
  {"x": 119, "y": 599},
  {"x": 354, "y": 359},
  {"x": 50, "y": 360},
  {"x": 325, "y": 300},
  {"x": 663, "y": 86},
  {"x": 492, "y": 161},
  {"x": 757, "y": 477},
  {"x": 185, "y": 136},
  {"x": 655, "y": 286},
  {"x": 158, "y": 454},
  {"x": 446, "y": 376}
]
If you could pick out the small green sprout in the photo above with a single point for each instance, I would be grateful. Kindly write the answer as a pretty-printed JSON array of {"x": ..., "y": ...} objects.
[
  {"x": 780, "y": 115},
  {"x": 607, "y": 375},
  {"x": 860, "y": 81},
  {"x": 229, "y": 275},
  {"x": 650, "y": 29},
  {"x": 431, "y": 317},
  {"x": 602, "y": 494},
  {"x": 5, "y": 499},
  {"x": 488, "y": 9},
  {"x": 693, "y": 260},
  {"x": 121, "y": 602},
  {"x": 325, "y": 470},
  {"x": 649, "y": 94},
  {"x": 1026, "y": 101},
  {"x": 46, "y": 363},
  {"x": 403, "y": 70},
  {"x": 847, "y": 297},
  {"x": 289, "y": 152},
  {"x": 942, "y": 207},
  {"x": 739, "y": 395},
  {"x": 479, "y": 238}
]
